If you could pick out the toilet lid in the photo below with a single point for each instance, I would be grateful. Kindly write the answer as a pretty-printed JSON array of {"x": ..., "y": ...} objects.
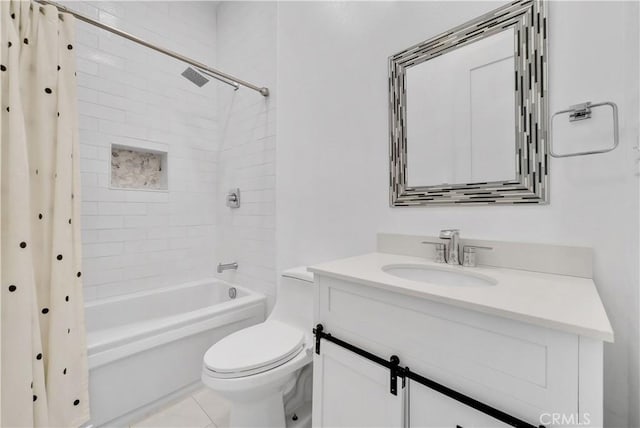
[{"x": 262, "y": 345}]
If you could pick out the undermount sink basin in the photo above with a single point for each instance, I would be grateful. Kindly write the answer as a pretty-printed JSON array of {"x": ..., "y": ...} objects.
[{"x": 439, "y": 276}]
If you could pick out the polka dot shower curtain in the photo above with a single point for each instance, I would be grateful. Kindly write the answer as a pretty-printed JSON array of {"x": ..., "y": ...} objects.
[{"x": 44, "y": 361}]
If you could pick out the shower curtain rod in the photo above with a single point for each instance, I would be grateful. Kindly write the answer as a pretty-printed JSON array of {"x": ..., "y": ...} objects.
[{"x": 227, "y": 78}]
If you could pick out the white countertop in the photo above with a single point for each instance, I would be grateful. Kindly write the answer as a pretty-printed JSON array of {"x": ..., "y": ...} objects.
[{"x": 560, "y": 302}]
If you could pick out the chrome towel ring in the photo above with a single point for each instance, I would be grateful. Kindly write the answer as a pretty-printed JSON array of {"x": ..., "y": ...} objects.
[{"x": 582, "y": 112}]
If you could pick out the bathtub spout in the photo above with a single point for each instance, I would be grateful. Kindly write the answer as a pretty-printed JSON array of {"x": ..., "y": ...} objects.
[{"x": 226, "y": 266}]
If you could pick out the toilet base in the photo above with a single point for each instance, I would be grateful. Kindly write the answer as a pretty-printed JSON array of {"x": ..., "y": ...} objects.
[
  {"x": 302, "y": 417},
  {"x": 267, "y": 411},
  {"x": 257, "y": 407}
]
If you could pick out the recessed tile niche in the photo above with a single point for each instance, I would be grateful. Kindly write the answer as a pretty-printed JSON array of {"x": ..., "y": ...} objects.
[{"x": 138, "y": 168}]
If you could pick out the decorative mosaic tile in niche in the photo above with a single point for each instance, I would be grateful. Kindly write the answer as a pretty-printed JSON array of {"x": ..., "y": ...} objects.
[{"x": 136, "y": 169}]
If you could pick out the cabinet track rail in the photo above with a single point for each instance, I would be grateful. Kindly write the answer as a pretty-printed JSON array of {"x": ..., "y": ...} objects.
[{"x": 397, "y": 371}]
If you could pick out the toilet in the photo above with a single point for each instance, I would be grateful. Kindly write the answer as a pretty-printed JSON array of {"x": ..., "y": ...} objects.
[{"x": 265, "y": 370}]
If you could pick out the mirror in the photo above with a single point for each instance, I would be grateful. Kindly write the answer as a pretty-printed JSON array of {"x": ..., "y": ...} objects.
[
  {"x": 468, "y": 113},
  {"x": 471, "y": 136}
]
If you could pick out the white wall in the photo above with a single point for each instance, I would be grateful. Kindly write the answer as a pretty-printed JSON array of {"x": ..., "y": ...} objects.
[
  {"x": 131, "y": 95},
  {"x": 246, "y": 42},
  {"x": 332, "y": 158}
]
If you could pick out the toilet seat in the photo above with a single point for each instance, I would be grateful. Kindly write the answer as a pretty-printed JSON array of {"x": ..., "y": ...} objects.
[{"x": 254, "y": 350}]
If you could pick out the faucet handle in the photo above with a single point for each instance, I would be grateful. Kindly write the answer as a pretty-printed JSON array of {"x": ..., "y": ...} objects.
[
  {"x": 440, "y": 251},
  {"x": 469, "y": 254},
  {"x": 448, "y": 233}
]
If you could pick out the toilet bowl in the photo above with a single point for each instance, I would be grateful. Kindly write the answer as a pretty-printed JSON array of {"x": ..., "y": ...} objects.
[{"x": 257, "y": 367}]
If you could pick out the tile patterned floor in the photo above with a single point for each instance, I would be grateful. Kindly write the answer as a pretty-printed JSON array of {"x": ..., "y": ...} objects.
[{"x": 202, "y": 409}]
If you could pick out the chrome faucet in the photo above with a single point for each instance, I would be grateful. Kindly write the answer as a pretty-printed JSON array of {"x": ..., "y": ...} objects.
[
  {"x": 449, "y": 250},
  {"x": 227, "y": 266},
  {"x": 452, "y": 247}
]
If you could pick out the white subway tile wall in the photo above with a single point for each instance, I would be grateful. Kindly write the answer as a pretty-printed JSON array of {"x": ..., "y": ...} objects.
[
  {"x": 216, "y": 139},
  {"x": 246, "y": 43},
  {"x": 133, "y": 96}
]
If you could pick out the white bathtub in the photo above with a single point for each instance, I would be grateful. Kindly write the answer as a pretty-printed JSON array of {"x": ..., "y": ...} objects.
[{"x": 146, "y": 348}]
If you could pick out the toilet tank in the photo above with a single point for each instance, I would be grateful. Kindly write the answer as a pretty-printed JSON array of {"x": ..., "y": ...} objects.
[{"x": 294, "y": 300}]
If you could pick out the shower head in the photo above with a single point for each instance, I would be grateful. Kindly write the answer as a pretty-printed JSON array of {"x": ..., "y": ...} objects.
[{"x": 194, "y": 77}]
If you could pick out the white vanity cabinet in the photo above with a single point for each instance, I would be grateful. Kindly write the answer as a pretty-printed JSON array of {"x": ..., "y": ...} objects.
[{"x": 541, "y": 375}]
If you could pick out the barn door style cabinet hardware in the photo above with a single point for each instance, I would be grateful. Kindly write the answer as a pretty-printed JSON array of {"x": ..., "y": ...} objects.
[{"x": 398, "y": 372}]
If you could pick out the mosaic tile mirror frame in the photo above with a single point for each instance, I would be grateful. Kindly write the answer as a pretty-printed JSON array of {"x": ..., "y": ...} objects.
[{"x": 528, "y": 21}]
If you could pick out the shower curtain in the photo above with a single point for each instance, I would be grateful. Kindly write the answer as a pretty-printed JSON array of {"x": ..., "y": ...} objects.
[{"x": 44, "y": 362}]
